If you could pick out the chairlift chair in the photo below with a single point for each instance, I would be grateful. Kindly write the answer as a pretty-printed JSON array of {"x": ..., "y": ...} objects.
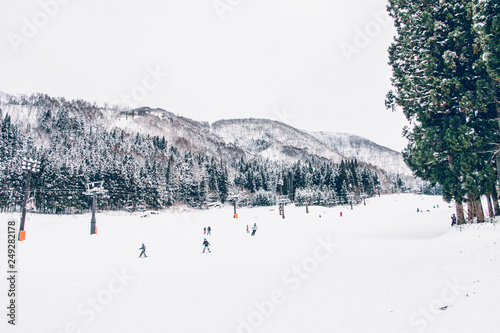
[
  {"x": 30, "y": 205},
  {"x": 129, "y": 206}
]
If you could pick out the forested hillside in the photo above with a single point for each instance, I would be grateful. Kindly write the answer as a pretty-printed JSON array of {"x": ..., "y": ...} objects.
[{"x": 75, "y": 145}]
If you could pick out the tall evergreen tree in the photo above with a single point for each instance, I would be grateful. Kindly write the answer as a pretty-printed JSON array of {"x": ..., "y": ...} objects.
[
  {"x": 488, "y": 21},
  {"x": 442, "y": 85}
]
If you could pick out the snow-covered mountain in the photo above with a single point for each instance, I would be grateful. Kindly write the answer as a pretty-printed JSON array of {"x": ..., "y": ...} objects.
[
  {"x": 229, "y": 139},
  {"x": 180, "y": 131},
  {"x": 278, "y": 141},
  {"x": 352, "y": 146},
  {"x": 184, "y": 133},
  {"x": 273, "y": 140}
]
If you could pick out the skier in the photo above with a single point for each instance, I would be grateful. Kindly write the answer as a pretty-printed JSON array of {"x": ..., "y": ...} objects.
[
  {"x": 247, "y": 229},
  {"x": 254, "y": 228},
  {"x": 209, "y": 231},
  {"x": 143, "y": 249},
  {"x": 206, "y": 243},
  {"x": 453, "y": 220},
  {"x": 204, "y": 230},
  {"x": 340, "y": 214}
]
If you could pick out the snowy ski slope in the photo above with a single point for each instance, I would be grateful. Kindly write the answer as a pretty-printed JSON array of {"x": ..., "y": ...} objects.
[{"x": 382, "y": 267}]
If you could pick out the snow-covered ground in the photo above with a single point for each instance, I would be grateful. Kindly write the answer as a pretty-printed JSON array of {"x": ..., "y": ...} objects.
[{"x": 382, "y": 267}]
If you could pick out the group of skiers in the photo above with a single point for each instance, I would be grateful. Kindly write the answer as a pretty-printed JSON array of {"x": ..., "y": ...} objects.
[
  {"x": 207, "y": 231},
  {"x": 206, "y": 244},
  {"x": 254, "y": 229}
]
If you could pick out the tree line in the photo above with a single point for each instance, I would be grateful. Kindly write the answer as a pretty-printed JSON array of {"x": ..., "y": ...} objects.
[{"x": 147, "y": 170}]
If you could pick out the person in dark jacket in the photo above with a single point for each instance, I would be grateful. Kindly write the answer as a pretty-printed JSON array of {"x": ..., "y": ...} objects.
[
  {"x": 254, "y": 229},
  {"x": 207, "y": 244},
  {"x": 209, "y": 231},
  {"x": 143, "y": 248},
  {"x": 453, "y": 220}
]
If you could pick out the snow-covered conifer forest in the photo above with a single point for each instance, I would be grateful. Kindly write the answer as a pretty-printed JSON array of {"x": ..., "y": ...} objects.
[{"x": 157, "y": 159}]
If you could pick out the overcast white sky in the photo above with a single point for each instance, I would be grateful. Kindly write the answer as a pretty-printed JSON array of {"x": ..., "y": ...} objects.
[{"x": 313, "y": 64}]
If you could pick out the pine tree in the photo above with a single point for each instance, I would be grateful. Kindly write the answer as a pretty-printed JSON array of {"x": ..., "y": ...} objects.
[
  {"x": 223, "y": 182},
  {"x": 444, "y": 90},
  {"x": 488, "y": 20}
]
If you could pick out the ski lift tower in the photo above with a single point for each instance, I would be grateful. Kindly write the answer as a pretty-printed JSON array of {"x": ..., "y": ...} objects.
[
  {"x": 282, "y": 200},
  {"x": 31, "y": 166},
  {"x": 94, "y": 189},
  {"x": 351, "y": 198},
  {"x": 280, "y": 185},
  {"x": 234, "y": 199}
]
